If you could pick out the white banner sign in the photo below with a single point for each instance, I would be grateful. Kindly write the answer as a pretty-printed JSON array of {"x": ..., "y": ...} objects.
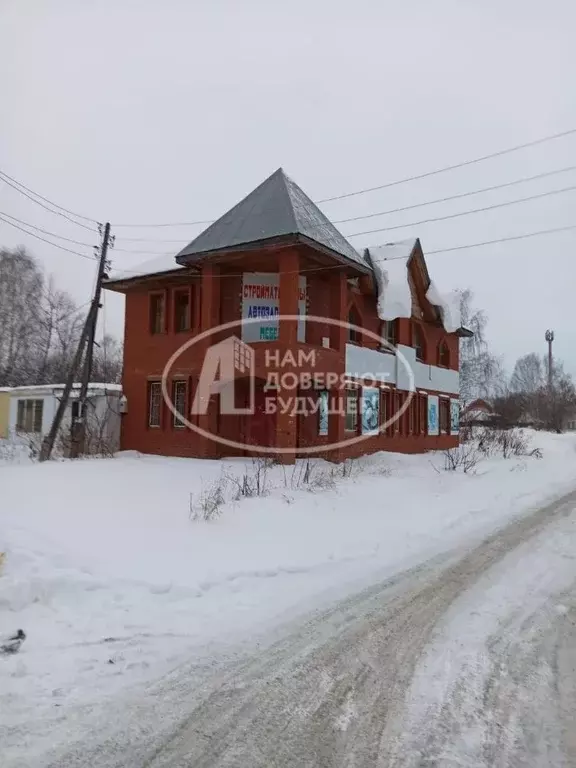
[{"x": 261, "y": 299}]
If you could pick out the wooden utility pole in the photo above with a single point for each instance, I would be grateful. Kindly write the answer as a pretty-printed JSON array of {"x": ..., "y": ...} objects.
[
  {"x": 87, "y": 336},
  {"x": 78, "y": 431}
]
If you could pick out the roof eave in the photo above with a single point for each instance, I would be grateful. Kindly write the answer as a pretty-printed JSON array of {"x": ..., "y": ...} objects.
[
  {"x": 254, "y": 245},
  {"x": 119, "y": 284}
]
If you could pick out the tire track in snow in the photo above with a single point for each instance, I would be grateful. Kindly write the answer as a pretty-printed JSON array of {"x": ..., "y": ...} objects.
[
  {"x": 281, "y": 716},
  {"x": 352, "y": 664}
]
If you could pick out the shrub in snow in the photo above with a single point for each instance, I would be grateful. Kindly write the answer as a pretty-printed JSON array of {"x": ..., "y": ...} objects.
[
  {"x": 254, "y": 483},
  {"x": 513, "y": 442},
  {"x": 508, "y": 442},
  {"x": 208, "y": 504},
  {"x": 311, "y": 475},
  {"x": 465, "y": 457},
  {"x": 323, "y": 480}
]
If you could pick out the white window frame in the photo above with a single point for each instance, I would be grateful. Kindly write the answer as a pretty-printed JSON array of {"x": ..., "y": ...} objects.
[
  {"x": 33, "y": 411},
  {"x": 154, "y": 401},
  {"x": 177, "y": 422}
]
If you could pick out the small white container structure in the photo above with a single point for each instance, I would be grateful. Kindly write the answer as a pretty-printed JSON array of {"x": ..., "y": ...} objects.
[{"x": 31, "y": 410}]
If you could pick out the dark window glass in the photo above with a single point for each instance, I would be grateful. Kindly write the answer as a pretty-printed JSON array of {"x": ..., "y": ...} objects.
[
  {"x": 154, "y": 403},
  {"x": 157, "y": 313},
  {"x": 181, "y": 311},
  {"x": 179, "y": 400}
]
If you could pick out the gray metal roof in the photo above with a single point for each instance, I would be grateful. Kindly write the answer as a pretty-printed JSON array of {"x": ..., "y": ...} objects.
[{"x": 276, "y": 208}]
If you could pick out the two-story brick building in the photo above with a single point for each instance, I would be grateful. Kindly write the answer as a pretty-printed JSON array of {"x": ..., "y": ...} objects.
[{"x": 338, "y": 342}]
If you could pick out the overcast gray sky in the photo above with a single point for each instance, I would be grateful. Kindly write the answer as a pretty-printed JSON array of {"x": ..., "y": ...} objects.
[{"x": 147, "y": 111}]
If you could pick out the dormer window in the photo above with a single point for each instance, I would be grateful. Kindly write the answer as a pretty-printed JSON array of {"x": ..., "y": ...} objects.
[
  {"x": 388, "y": 331},
  {"x": 418, "y": 342},
  {"x": 444, "y": 355}
]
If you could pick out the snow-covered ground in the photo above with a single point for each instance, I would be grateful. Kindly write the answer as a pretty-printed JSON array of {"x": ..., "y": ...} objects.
[
  {"x": 496, "y": 683},
  {"x": 114, "y": 584}
]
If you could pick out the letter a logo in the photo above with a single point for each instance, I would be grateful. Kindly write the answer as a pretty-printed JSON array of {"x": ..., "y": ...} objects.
[{"x": 224, "y": 364}]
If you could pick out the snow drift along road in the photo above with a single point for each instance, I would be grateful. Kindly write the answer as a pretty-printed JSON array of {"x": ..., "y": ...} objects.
[{"x": 339, "y": 690}]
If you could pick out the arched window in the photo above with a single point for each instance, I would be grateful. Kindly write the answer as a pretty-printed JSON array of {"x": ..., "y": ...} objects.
[
  {"x": 354, "y": 318},
  {"x": 418, "y": 341},
  {"x": 388, "y": 331},
  {"x": 444, "y": 355}
]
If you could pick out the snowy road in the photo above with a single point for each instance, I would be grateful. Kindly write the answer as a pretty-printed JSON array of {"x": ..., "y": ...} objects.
[{"x": 467, "y": 660}]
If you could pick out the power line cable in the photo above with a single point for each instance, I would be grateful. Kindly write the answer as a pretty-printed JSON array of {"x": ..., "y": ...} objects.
[
  {"x": 51, "y": 210},
  {"x": 45, "y": 231},
  {"x": 46, "y": 200},
  {"x": 489, "y": 242},
  {"x": 522, "y": 180},
  {"x": 503, "y": 239},
  {"x": 144, "y": 253},
  {"x": 137, "y": 273},
  {"x": 465, "y": 213},
  {"x": 446, "y": 168},
  {"x": 153, "y": 240},
  {"x": 18, "y": 186},
  {"x": 38, "y": 237},
  {"x": 168, "y": 224},
  {"x": 415, "y": 205},
  {"x": 389, "y": 184}
]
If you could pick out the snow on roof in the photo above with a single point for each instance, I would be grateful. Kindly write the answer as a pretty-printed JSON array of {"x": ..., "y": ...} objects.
[
  {"x": 477, "y": 414},
  {"x": 400, "y": 250},
  {"x": 164, "y": 263},
  {"x": 390, "y": 265},
  {"x": 93, "y": 386},
  {"x": 449, "y": 306}
]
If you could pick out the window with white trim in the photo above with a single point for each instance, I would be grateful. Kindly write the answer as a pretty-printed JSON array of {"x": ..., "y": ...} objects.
[
  {"x": 154, "y": 403},
  {"x": 179, "y": 401},
  {"x": 29, "y": 416}
]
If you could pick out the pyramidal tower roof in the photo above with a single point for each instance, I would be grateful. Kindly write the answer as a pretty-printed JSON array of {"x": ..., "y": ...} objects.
[{"x": 276, "y": 208}]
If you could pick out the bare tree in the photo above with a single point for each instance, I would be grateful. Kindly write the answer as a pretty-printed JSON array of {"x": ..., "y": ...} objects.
[
  {"x": 529, "y": 399},
  {"x": 59, "y": 331},
  {"x": 21, "y": 294},
  {"x": 528, "y": 374},
  {"x": 481, "y": 373},
  {"x": 558, "y": 406},
  {"x": 40, "y": 326},
  {"x": 108, "y": 361}
]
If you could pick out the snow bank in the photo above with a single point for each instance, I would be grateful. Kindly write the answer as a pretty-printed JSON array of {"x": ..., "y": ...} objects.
[
  {"x": 390, "y": 265},
  {"x": 449, "y": 306},
  {"x": 115, "y": 586},
  {"x": 487, "y": 641}
]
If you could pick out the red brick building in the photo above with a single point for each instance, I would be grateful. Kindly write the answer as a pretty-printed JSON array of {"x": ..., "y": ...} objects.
[{"x": 386, "y": 340}]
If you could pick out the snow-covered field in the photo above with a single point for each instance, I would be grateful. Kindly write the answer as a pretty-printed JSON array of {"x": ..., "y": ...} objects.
[{"x": 114, "y": 584}]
